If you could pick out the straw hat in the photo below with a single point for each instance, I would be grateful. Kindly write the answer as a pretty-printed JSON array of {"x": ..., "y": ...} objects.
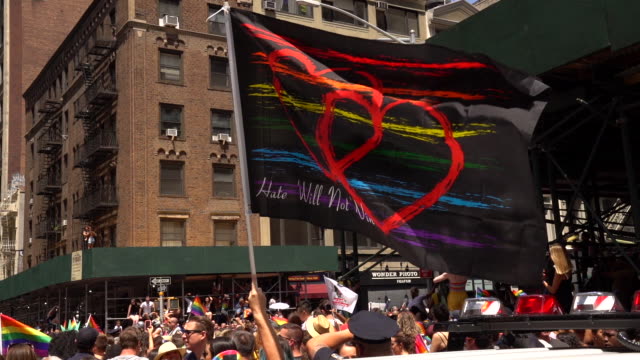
[
  {"x": 167, "y": 348},
  {"x": 318, "y": 325}
]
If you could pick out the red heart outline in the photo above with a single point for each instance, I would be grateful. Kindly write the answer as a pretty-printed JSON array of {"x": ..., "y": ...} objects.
[{"x": 335, "y": 169}]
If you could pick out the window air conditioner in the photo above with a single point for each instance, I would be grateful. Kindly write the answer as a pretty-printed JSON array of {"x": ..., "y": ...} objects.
[
  {"x": 172, "y": 132},
  {"x": 170, "y": 21},
  {"x": 269, "y": 5},
  {"x": 382, "y": 5},
  {"x": 225, "y": 138},
  {"x": 64, "y": 222}
]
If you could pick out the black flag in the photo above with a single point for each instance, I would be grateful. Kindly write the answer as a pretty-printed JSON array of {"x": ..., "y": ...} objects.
[{"x": 416, "y": 146}]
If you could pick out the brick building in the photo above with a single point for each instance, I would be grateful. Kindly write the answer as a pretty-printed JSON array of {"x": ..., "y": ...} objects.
[
  {"x": 129, "y": 128},
  {"x": 25, "y": 49}
]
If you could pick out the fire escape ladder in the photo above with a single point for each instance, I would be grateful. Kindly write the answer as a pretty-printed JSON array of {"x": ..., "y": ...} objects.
[{"x": 87, "y": 73}]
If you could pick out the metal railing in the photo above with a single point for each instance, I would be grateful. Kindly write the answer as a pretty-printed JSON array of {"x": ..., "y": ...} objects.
[
  {"x": 48, "y": 183},
  {"x": 96, "y": 147},
  {"x": 101, "y": 91},
  {"x": 49, "y": 141},
  {"x": 47, "y": 226},
  {"x": 95, "y": 201}
]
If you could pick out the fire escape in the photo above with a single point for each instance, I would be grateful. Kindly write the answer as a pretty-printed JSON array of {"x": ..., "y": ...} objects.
[
  {"x": 48, "y": 183},
  {"x": 100, "y": 143},
  {"x": 7, "y": 236}
]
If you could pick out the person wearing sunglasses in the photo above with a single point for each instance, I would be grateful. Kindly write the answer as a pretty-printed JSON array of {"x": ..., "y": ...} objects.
[
  {"x": 196, "y": 335},
  {"x": 21, "y": 351}
]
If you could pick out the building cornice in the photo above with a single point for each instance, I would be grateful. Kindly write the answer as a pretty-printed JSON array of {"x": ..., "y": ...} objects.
[
  {"x": 455, "y": 6},
  {"x": 77, "y": 37}
]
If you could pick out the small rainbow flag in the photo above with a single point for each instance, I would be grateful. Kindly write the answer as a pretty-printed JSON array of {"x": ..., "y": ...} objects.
[
  {"x": 279, "y": 320},
  {"x": 15, "y": 332},
  {"x": 197, "y": 308},
  {"x": 421, "y": 327},
  {"x": 421, "y": 348},
  {"x": 517, "y": 293},
  {"x": 73, "y": 325},
  {"x": 91, "y": 322},
  {"x": 482, "y": 293},
  {"x": 246, "y": 313}
]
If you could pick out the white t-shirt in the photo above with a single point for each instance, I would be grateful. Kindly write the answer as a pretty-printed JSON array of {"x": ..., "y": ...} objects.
[{"x": 147, "y": 307}]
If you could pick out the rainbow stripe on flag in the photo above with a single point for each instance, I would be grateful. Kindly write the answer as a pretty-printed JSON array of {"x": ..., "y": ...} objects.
[
  {"x": 91, "y": 322},
  {"x": 15, "y": 332},
  {"x": 197, "y": 308},
  {"x": 421, "y": 348},
  {"x": 482, "y": 293},
  {"x": 279, "y": 320}
]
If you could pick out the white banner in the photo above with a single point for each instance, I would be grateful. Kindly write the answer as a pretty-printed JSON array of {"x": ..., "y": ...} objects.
[{"x": 341, "y": 297}]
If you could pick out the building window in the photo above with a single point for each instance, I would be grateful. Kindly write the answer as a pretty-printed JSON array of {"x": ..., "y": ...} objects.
[
  {"x": 168, "y": 7},
  {"x": 293, "y": 7},
  {"x": 355, "y": 7},
  {"x": 217, "y": 24},
  {"x": 170, "y": 118},
  {"x": 223, "y": 181},
  {"x": 219, "y": 73},
  {"x": 172, "y": 232},
  {"x": 171, "y": 178},
  {"x": 397, "y": 21},
  {"x": 221, "y": 122},
  {"x": 224, "y": 233},
  {"x": 295, "y": 232},
  {"x": 170, "y": 66}
]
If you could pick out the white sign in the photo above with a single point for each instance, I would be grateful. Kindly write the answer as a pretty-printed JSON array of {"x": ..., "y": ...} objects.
[
  {"x": 341, "y": 297},
  {"x": 161, "y": 288},
  {"x": 76, "y": 265},
  {"x": 155, "y": 281}
]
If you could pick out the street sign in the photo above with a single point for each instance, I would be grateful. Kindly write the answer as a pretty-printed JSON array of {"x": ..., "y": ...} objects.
[
  {"x": 161, "y": 288},
  {"x": 156, "y": 281}
]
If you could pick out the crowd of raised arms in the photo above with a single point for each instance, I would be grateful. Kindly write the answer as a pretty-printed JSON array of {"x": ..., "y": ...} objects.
[{"x": 304, "y": 333}]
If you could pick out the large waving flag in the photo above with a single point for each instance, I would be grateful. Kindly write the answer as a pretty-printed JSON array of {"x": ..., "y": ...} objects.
[
  {"x": 91, "y": 322},
  {"x": 416, "y": 146},
  {"x": 15, "y": 332},
  {"x": 197, "y": 308}
]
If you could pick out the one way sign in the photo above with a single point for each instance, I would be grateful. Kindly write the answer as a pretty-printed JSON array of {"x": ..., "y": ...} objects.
[{"x": 156, "y": 281}]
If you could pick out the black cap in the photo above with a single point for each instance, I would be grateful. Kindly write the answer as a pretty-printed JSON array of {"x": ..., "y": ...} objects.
[
  {"x": 372, "y": 327},
  {"x": 87, "y": 338}
]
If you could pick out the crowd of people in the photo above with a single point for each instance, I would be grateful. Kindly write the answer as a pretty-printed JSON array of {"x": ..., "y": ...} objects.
[{"x": 304, "y": 333}]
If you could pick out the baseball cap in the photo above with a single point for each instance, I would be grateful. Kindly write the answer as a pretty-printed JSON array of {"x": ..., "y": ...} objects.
[
  {"x": 372, "y": 327},
  {"x": 87, "y": 338}
]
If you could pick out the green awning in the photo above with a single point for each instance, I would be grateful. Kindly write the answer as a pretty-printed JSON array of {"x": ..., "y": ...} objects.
[
  {"x": 111, "y": 263},
  {"x": 539, "y": 35}
]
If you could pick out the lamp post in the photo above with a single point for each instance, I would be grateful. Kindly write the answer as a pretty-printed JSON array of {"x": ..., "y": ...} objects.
[{"x": 321, "y": 4}]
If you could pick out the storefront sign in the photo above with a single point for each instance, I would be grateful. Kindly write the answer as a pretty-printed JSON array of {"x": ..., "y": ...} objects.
[
  {"x": 304, "y": 278},
  {"x": 391, "y": 277},
  {"x": 76, "y": 266}
]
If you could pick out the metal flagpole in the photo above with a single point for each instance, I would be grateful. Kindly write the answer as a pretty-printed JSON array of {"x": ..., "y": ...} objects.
[{"x": 237, "y": 111}]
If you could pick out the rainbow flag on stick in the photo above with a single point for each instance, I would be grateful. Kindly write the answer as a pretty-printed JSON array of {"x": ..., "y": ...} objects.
[
  {"x": 91, "y": 322},
  {"x": 197, "y": 308},
  {"x": 15, "y": 332}
]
